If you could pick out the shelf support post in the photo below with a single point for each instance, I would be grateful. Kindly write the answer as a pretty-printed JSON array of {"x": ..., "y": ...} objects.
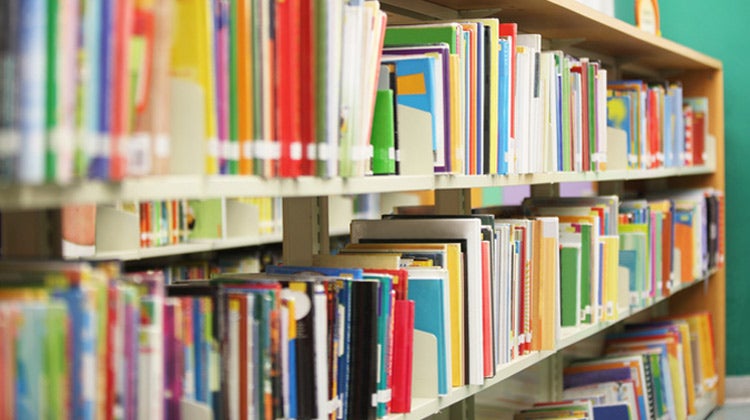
[
  {"x": 545, "y": 190},
  {"x": 463, "y": 410},
  {"x": 305, "y": 229},
  {"x": 456, "y": 201},
  {"x": 41, "y": 231}
]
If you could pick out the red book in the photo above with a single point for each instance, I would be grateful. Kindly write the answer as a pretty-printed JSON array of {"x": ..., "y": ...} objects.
[
  {"x": 288, "y": 98},
  {"x": 511, "y": 31},
  {"x": 110, "y": 364},
  {"x": 582, "y": 69},
  {"x": 403, "y": 349},
  {"x": 120, "y": 88},
  {"x": 699, "y": 136},
  {"x": 689, "y": 134},
  {"x": 652, "y": 124},
  {"x": 308, "y": 109},
  {"x": 489, "y": 364}
]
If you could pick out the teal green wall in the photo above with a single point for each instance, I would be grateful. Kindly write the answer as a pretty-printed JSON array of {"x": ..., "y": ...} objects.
[{"x": 720, "y": 29}]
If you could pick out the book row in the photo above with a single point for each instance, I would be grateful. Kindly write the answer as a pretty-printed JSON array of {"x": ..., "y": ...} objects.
[
  {"x": 413, "y": 306},
  {"x": 116, "y": 88},
  {"x": 648, "y": 371},
  {"x": 275, "y": 88},
  {"x": 130, "y": 226}
]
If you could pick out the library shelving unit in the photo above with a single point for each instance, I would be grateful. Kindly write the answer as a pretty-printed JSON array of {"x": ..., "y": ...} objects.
[{"x": 623, "y": 49}]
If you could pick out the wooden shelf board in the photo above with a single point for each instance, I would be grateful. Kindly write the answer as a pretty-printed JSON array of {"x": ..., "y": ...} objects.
[{"x": 571, "y": 22}]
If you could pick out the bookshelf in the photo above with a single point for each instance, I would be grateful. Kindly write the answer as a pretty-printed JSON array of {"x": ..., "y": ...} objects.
[{"x": 621, "y": 47}]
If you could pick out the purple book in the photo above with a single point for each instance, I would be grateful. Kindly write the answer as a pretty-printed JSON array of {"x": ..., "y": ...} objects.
[
  {"x": 172, "y": 361},
  {"x": 596, "y": 376},
  {"x": 444, "y": 51}
]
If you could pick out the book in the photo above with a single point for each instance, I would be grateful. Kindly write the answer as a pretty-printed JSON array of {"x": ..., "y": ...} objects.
[{"x": 464, "y": 231}]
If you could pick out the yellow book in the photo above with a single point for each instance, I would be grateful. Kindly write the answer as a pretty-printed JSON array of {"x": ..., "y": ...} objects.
[
  {"x": 545, "y": 281},
  {"x": 610, "y": 260},
  {"x": 687, "y": 353},
  {"x": 192, "y": 61},
  {"x": 458, "y": 139},
  {"x": 371, "y": 261}
]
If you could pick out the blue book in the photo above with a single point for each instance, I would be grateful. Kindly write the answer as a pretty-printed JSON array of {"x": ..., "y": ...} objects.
[
  {"x": 385, "y": 288},
  {"x": 201, "y": 350},
  {"x": 417, "y": 91},
  {"x": 30, "y": 362},
  {"x": 429, "y": 292},
  {"x": 619, "y": 116},
  {"x": 83, "y": 347},
  {"x": 99, "y": 165},
  {"x": 92, "y": 34},
  {"x": 617, "y": 411},
  {"x": 32, "y": 53},
  {"x": 504, "y": 105}
]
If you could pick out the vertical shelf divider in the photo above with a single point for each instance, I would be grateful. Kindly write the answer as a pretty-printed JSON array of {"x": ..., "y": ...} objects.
[{"x": 305, "y": 229}]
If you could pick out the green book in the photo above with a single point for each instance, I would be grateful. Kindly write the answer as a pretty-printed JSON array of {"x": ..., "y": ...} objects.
[
  {"x": 55, "y": 362},
  {"x": 208, "y": 219},
  {"x": 53, "y": 46},
  {"x": 570, "y": 273},
  {"x": 586, "y": 278},
  {"x": 383, "y": 135},
  {"x": 423, "y": 34}
]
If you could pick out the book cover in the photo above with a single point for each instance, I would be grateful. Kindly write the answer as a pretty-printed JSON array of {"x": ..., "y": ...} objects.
[
  {"x": 32, "y": 53},
  {"x": 429, "y": 291},
  {"x": 403, "y": 339},
  {"x": 288, "y": 99},
  {"x": 382, "y": 137},
  {"x": 9, "y": 155}
]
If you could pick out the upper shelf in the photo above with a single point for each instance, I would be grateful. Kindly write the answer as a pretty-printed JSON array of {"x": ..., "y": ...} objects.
[
  {"x": 202, "y": 187},
  {"x": 567, "y": 22}
]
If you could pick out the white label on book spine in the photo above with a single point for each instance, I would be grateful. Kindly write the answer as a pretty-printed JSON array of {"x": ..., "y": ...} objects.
[
  {"x": 295, "y": 151},
  {"x": 88, "y": 377},
  {"x": 259, "y": 147},
  {"x": 234, "y": 150},
  {"x": 392, "y": 153},
  {"x": 10, "y": 142},
  {"x": 161, "y": 146},
  {"x": 247, "y": 149},
  {"x": 225, "y": 149},
  {"x": 312, "y": 151},
  {"x": 274, "y": 149},
  {"x": 324, "y": 152},
  {"x": 212, "y": 147},
  {"x": 384, "y": 395}
]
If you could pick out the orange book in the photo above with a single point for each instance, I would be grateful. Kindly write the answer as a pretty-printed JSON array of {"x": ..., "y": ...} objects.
[
  {"x": 683, "y": 238},
  {"x": 244, "y": 69},
  {"x": 120, "y": 99}
]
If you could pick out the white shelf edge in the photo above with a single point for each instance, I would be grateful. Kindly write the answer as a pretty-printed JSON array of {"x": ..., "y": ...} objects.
[
  {"x": 423, "y": 407},
  {"x": 204, "y": 187},
  {"x": 192, "y": 247},
  {"x": 185, "y": 248}
]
